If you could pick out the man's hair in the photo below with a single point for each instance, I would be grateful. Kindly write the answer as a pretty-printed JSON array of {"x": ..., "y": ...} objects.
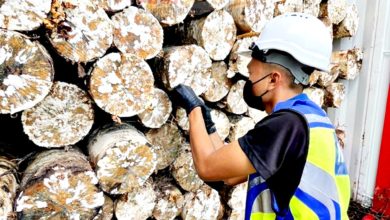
[{"x": 288, "y": 75}]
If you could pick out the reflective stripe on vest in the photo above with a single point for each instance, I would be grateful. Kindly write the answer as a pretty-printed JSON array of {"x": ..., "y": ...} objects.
[{"x": 324, "y": 190}]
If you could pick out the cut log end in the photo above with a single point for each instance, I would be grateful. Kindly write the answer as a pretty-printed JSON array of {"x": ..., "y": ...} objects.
[
  {"x": 107, "y": 211},
  {"x": 220, "y": 83},
  {"x": 317, "y": 95},
  {"x": 347, "y": 64},
  {"x": 182, "y": 120},
  {"x": 235, "y": 101},
  {"x": 158, "y": 112},
  {"x": 222, "y": 123},
  {"x": 335, "y": 94},
  {"x": 205, "y": 203},
  {"x": 237, "y": 201},
  {"x": 68, "y": 108},
  {"x": 8, "y": 187},
  {"x": 169, "y": 202},
  {"x": 348, "y": 27},
  {"x": 26, "y": 72},
  {"x": 238, "y": 63},
  {"x": 335, "y": 10},
  {"x": 113, "y": 6},
  {"x": 240, "y": 125}
]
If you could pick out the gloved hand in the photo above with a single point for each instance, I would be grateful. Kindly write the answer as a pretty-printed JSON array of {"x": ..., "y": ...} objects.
[{"x": 186, "y": 98}]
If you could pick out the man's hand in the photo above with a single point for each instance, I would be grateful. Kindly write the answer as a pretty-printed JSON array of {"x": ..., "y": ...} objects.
[{"x": 186, "y": 98}]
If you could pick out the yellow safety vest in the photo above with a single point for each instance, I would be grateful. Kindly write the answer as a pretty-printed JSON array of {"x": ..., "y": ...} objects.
[{"x": 324, "y": 189}]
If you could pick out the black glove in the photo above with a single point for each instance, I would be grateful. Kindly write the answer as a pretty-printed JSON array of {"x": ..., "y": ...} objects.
[{"x": 186, "y": 98}]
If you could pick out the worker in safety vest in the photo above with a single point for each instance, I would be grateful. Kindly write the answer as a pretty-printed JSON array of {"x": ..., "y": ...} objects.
[{"x": 291, "y": 159}]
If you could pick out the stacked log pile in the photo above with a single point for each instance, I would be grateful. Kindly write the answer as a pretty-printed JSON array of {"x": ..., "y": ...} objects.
[{"x": 84, "y": 87}]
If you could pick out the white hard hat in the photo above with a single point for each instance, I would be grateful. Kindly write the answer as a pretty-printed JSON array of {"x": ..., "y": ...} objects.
[{"x": 302, "y": 36}]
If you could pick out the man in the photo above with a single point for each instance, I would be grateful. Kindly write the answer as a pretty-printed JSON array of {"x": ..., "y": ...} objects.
[{"x": 292, "y": 157}]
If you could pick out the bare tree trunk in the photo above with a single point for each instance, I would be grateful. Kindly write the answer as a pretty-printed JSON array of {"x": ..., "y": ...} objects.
[
  {"x": 159, "y": 110},
  {"x": 235, "y": 101},
  {"x": 251, "y": 15},
  {"x": 59, "y": 184},
  {"x": 237, "y": 62},
  {"x": 317, "y": 95},
  {"x": 237, "y": 201},
  {"x": 138, "y": 32},
  {"x": 121, "y": 84},
  {"x": 219, "y": 83},
  {"x": 202, "y": 204},
  {"x": 23, "y": 15},
  {"x": 348, "y": 27},
  {"x": 26, "y": 72},
  {"x": 122, "y": 158},
  {"x": 348, "y": 63},
  {"x": 189, "y": 65},
  {"x": 79, "y": 32},
  {"x": 8, "y": 187},
  {"x": 335, "y": 10},
  {"x": 63, "y": 118},
  {"x": 111, "y": 6},
  {"x": 240, "y": 125},
  {"x": 334, "y": 95},
  {"x": 166, "y": 142},
  {"x": 168, "y": 12}
]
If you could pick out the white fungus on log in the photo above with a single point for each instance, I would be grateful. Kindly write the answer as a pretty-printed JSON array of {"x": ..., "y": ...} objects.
[
  {"x": 217, "y": 4},
  {"x": 113, "y": 5},
  {"x": 240, "y": 125},
  {"x": 237, "y": 62},
  {"x": 63, "y": 118},
  {"x": 256, "y": 114},
  {"x": 204, "y": 204},
  {"x": 284, "y": 6},
  {"x": 122, "y": 158},
  {"x": 334, "y": 95},
  {"x": 347, "y": 63},
  {"x": 347, "y": 27},
  {"x": 219, "y": 83},
  {"x": 138, "y": 204},
  {"x": 107, "y": 211},
  {"x": 138, "y": 32},
  {"x": 80, "y": 31},
  {"x": 26, "y": 72},
  {"x": 166, "y": 142},
  {"x": 251, "y": 15},
  {"x": 59, "y": 184},
  {"x": 169, "y": 201},
  {"x": 168, "y": 12},
  {"x": 322, "y": 78},
  {"x": 159, "y": 110},
  {"x": 183, "y": 170},
  {"x": 235, "y": 100},
  {"x": 317, "y": 95},
  {"x": 216, "y": 33},
  {"x": 8, "y": 187},
  {"x": 189, "y": 65},
  {"x": 237, "y": 201},
  {"x": 22, "y": 15},
  {"x": 222, "y": 123},
  {"x": 335, "y": 10},
  {"x": 122, "y": 84},
  {"x": 181, "y": 119},
  {"x": 311, "y": 7}
]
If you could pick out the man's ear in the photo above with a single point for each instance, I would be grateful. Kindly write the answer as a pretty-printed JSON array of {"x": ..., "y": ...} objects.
[{"x": 275, "y": 79}]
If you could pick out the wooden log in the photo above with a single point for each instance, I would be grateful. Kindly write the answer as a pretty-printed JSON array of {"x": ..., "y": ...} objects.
[
  {"x": 111, "y": 6},
  {"x": 138, "y": 204},
  {"x": 121, "y": 84},
  {"x": 202, "y": 204},
  {"x": 347, "y": 63},
  {"x": 181, "y": 119},
  {"x": 235, "y": 100},
  {"x": 322, "y": 78},
  {"x": 63, "y": 118},
  {"x": 341, "y": 135},
  {"x": 251, "y": 15},
  {"x": 311, "y": 7},
  {"x": 189, "y": 65},
  {"x": 159, "y": 110},
  {"x": 26, "y": 72},
  {"x": 168, "y": 12},
  {"x": 347, "y": 27},
  {"x": 170, "y": 200},
  {"x": 80, "y": 31},
  {"x": 59, "y": 184},
  {"x": 23, "y": 15},
  {"x": 166, "y": 142},
  {"x": 334, "y": 95},
  {"x": 256, "y": 114},
  {"x": 216, "y": 33},
  {"x": 222, "y": 123},
  {"x": 237, "y": 62},
  {"x": 240, "y": 125},
  {"x": 237, "y": 201},
  {"x": 122, "y": 157},
  {"x": 284, "y": 6},
  {"x": 317, "y": 95},
  {"x": 8, "y": 187},
  {"x": 183, "y": 170},
  {"x": 138, "y": 32},
  {"x": 107, "y": 211},
  {"x": 215, "y": 4},
  {"x": 219, "y": 83},
  {"x": 335, "y": 10}
]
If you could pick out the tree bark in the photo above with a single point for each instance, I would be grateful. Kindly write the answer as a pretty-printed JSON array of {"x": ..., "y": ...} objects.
[
  {"x": 20, "y": 15},
  {"x": 26, "y": 72},
  {"x": 348, "y": 63},
  {"x": 122, "y": 157},
  {"x": 202, "y": 204},
  {"x": 219, "y": 83},
  {"x": 238, "y": 62},
  {"x": 79, "y": 31},
  {"x": 138, "y": 32},
  {"x": 158, "y": 112},
  {"x": 8, "y": 187},
  {"x": 63, "y": 118},
  {"x": 240, "y": 125},
  {"x": 334, "y": 95},
  {"x": 166, "y": 142},
  {"x": 59, "y": 184},
  {"x": 235, "y": 101},
  {"x": 348, "y": 27},
  {"x": 121, "y": 84},
  {"x": 335, "y": 10}
]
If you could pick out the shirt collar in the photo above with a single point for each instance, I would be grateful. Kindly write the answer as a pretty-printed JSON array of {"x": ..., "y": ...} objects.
[{"x": 290, "y": 102}]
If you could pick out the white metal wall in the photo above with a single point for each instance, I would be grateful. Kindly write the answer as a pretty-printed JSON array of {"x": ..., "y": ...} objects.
[{"x": 362, "y": 113}]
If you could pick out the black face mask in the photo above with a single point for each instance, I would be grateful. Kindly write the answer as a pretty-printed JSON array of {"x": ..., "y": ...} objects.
[{"x": 252, "y": 100}]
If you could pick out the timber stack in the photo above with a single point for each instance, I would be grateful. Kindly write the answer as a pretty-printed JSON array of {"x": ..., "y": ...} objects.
[{"x": 85, "y": 88}]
